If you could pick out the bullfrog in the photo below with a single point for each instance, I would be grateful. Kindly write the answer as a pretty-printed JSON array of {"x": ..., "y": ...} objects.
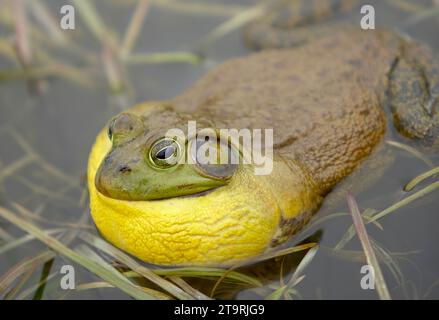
[{"x": 326, "y": 101}]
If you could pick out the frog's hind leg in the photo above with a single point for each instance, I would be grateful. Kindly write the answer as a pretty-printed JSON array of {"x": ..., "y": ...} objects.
[
  {"x": 291, "y": 23},
  {"x": 414, "y": 94}
]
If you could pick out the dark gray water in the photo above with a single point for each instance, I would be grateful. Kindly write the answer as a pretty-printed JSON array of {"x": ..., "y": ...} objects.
[{"x": 60, "y": 125}]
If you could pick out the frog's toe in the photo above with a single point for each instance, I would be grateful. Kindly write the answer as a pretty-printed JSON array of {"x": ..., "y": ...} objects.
[{"x": 414, "y": 95}]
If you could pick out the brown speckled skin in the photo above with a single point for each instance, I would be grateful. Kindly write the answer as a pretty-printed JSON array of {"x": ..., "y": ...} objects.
[{"x": 324, "y": 100}]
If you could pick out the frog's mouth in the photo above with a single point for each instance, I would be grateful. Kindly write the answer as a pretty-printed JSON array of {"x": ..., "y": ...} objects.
[
  {"x": 133, "y": 186},
  {"x": 200, "y": 194},
  {"x": 125, "y": 176},
  {"x": 113, "y": 191}
]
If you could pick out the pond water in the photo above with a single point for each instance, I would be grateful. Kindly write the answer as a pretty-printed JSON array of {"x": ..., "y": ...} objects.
[{"x": 48, "y": 124}]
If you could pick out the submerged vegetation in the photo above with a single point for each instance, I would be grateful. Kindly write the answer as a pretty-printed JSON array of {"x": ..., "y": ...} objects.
[{"x": 37, "y": 231}]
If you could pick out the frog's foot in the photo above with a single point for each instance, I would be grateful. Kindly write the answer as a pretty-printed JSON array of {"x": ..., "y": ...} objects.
[
  {"x": 292, "y": 23},
  {"x": 414, "y": 94}
]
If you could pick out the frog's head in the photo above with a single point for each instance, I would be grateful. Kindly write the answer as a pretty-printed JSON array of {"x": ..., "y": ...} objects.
[{"x": 146, "y": 164}]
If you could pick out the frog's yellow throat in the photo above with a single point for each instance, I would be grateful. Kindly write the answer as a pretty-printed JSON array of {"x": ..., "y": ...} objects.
[{"x": 227, "y": 225}]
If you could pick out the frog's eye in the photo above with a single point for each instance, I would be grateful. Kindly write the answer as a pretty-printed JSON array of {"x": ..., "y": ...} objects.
[
  {"x": 222, "y": 164},
  {"x": 165, "y": 153}
]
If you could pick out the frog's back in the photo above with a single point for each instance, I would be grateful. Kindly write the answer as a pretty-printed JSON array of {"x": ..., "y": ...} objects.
[{"x": 323, "y": 100}]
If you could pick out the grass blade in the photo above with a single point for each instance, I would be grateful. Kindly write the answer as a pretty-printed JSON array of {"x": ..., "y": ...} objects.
[
  {"x": 263, "y": 257},
  {"x": 24, "y": 279},
  {"x": 94, "y": 22},
  {"x": 26, "y": 293},
  {"x": 163, "y": 57},
  {"x": 88, "y": 252},
  {"x": 413, "y": 183},
  {"x": 414, "y": 152},
  {"x": 134, "y": 27},
  {"x": 371, "y": 259},
  {"x": 132, "y": 264},
  {"x": 23, "y": 267},
  {"x": 302, "y": 265},
  {"x": 187, "y": 288},
  {"x": 367, "y": 215},
  {"x": 296, "y": 277},
  {"x": 234, "y": 23},
  {"x": 283, "y": 252},
  {"x": 407, "y": 5},
  {"x": 5, "y": 236},
  {"x": 406, "y": 201},
  {"x": 18, "y": 242},
  {"x": 206, "y": 272},
  {"x": 22, "y": 43},
  {"x": 350, "y": 233},
  {"x": 94, "y": 267},
  {"x": 44, "y": 274},
  {"x": 428, "y": 13},
  {"x": 276, "y": 294},
  {"x": 203, "y": 8},
  {"x": 93, "y": 285},
  {"x": 43, "y": 15}
]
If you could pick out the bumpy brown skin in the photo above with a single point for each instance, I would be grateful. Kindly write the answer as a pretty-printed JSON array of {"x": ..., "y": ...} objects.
[
  {"x": 414, "y": 95},
  {"x": 324, "y": 100}
]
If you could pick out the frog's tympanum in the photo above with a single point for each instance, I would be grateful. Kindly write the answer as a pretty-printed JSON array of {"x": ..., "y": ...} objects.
[{"x": 326, "y": 100}]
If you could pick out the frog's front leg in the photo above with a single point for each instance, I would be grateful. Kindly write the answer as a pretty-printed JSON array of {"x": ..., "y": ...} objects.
[
  {"x": 414, "y": 94},
  {"x": 291, "y": 23}
]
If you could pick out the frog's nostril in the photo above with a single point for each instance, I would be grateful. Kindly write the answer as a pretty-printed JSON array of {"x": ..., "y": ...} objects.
[{"x": 124, "y": 169}]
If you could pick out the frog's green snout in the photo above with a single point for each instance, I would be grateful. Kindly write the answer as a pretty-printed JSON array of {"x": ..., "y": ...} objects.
[
  {"x": 133, "y": 179},
  {"x": 112, "y": 179}
]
